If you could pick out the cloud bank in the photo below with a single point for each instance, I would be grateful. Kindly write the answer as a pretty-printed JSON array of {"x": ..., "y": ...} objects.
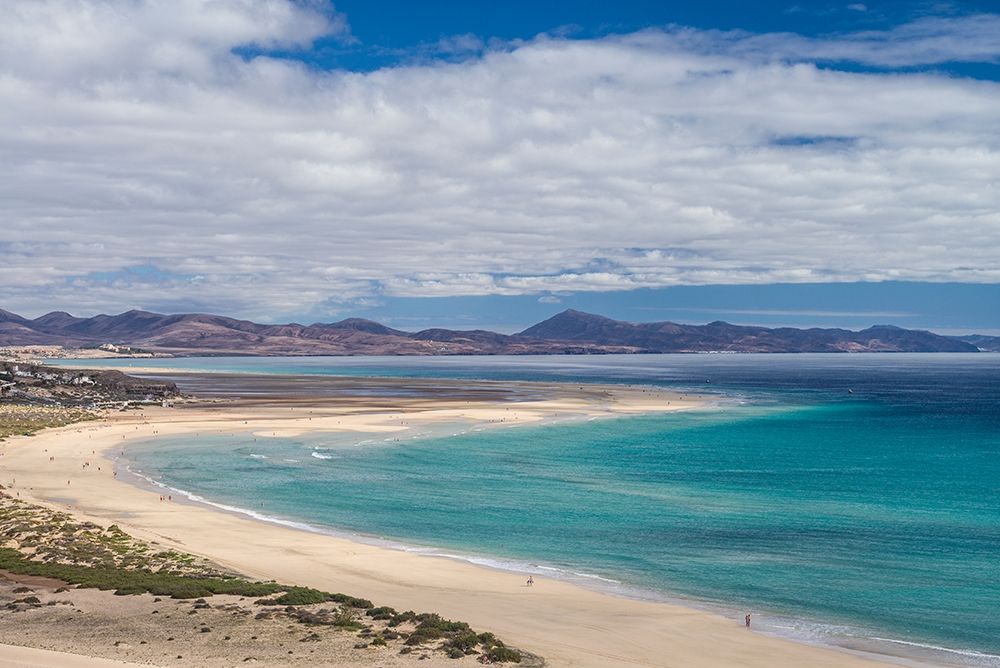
[{"x": 146, "y": 163}]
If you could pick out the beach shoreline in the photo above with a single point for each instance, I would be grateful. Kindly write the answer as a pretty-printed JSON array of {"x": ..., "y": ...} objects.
[{"x": 567, "y": 624}]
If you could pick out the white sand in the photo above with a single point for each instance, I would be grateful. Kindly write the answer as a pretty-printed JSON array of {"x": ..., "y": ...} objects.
[{"x": 12, "y": 656}]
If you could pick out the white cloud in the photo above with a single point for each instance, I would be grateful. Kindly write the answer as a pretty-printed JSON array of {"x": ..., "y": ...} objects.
[
  {"x": 80, "y": 42},
  {"x": 926, "y": 41},
  {"x": 132, "y": 136}
]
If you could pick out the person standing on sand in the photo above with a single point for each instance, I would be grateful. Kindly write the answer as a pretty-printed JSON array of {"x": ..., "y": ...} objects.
[{"x": 748, "y": 620}]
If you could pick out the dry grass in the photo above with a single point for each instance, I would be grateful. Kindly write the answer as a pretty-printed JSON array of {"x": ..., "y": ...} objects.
[{"x": 19, "y": 419}]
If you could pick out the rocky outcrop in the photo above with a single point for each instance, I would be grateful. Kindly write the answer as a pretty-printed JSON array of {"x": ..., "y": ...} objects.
[{"x": 35, "y": 383}]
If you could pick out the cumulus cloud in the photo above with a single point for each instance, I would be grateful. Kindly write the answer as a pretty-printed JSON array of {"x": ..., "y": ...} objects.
[{"x": 142, "y": 134}]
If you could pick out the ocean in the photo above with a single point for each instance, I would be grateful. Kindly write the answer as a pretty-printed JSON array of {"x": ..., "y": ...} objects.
[{"x": 851, "y": 500}]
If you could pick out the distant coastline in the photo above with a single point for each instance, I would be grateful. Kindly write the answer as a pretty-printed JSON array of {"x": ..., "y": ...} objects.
[{"x": 145, "y": 334}]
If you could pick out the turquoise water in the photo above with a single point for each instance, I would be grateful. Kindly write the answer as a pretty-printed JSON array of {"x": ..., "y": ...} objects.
[{"x": 838, "y": 497}]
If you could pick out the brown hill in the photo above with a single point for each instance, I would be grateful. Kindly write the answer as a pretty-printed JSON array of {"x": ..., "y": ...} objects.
[
  {"x": 570, "y": 332},
  {"x": 669, "y": 337}
]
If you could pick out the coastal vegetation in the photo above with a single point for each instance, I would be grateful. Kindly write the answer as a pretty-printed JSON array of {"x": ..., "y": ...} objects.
[
  {"x": 40, "y": 542},
  {"x": 24, "y": 420}
]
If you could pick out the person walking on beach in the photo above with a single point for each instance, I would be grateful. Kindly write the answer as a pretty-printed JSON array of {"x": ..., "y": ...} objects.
[
  {"x": 531, "y": 580},
  {"x": 748, "y": 620}
]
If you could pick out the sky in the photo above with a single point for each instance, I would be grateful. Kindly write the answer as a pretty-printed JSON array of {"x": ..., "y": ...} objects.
[{"x": 486, "y": 165}]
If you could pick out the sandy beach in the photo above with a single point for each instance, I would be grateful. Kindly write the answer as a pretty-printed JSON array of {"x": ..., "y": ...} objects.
[{"x": 564, "y": 623}]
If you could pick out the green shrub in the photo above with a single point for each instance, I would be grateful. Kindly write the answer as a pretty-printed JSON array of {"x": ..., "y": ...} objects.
[
  {"x": 363, "y": 603},
  {"x": 133, "y": 581},
  {"x": 383, "y": 612},
  {"x": 464, "y": 641},
  {"x": 345, "y": 620},
  {"x": 421, "y": 636},
  {"x": 301, "y": 596},
  {"x": 431, "y": 620},
  {"x": 402, "y": 618},
  {"x": 504, "y": 655}
]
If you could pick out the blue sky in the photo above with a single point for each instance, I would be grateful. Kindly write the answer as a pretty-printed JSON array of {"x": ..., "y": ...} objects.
[
  {"x": 489, "y": 164},
  {"x": 393, "y": 31}
]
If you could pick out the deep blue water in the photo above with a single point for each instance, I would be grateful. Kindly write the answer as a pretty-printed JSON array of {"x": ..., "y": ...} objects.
[{"x": 836, "y": 496}]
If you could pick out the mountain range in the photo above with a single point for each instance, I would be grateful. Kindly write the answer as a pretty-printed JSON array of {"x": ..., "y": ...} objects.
[{"x": 569, "y": 332}]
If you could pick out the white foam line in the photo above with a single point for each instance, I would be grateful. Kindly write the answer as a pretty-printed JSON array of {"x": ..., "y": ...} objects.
[
  {"x": 231, "y": 509},
  {"x": 596, "y": 577},
  {"x": 938, "y": 648},
  {"x": 509, "y": 565}
]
